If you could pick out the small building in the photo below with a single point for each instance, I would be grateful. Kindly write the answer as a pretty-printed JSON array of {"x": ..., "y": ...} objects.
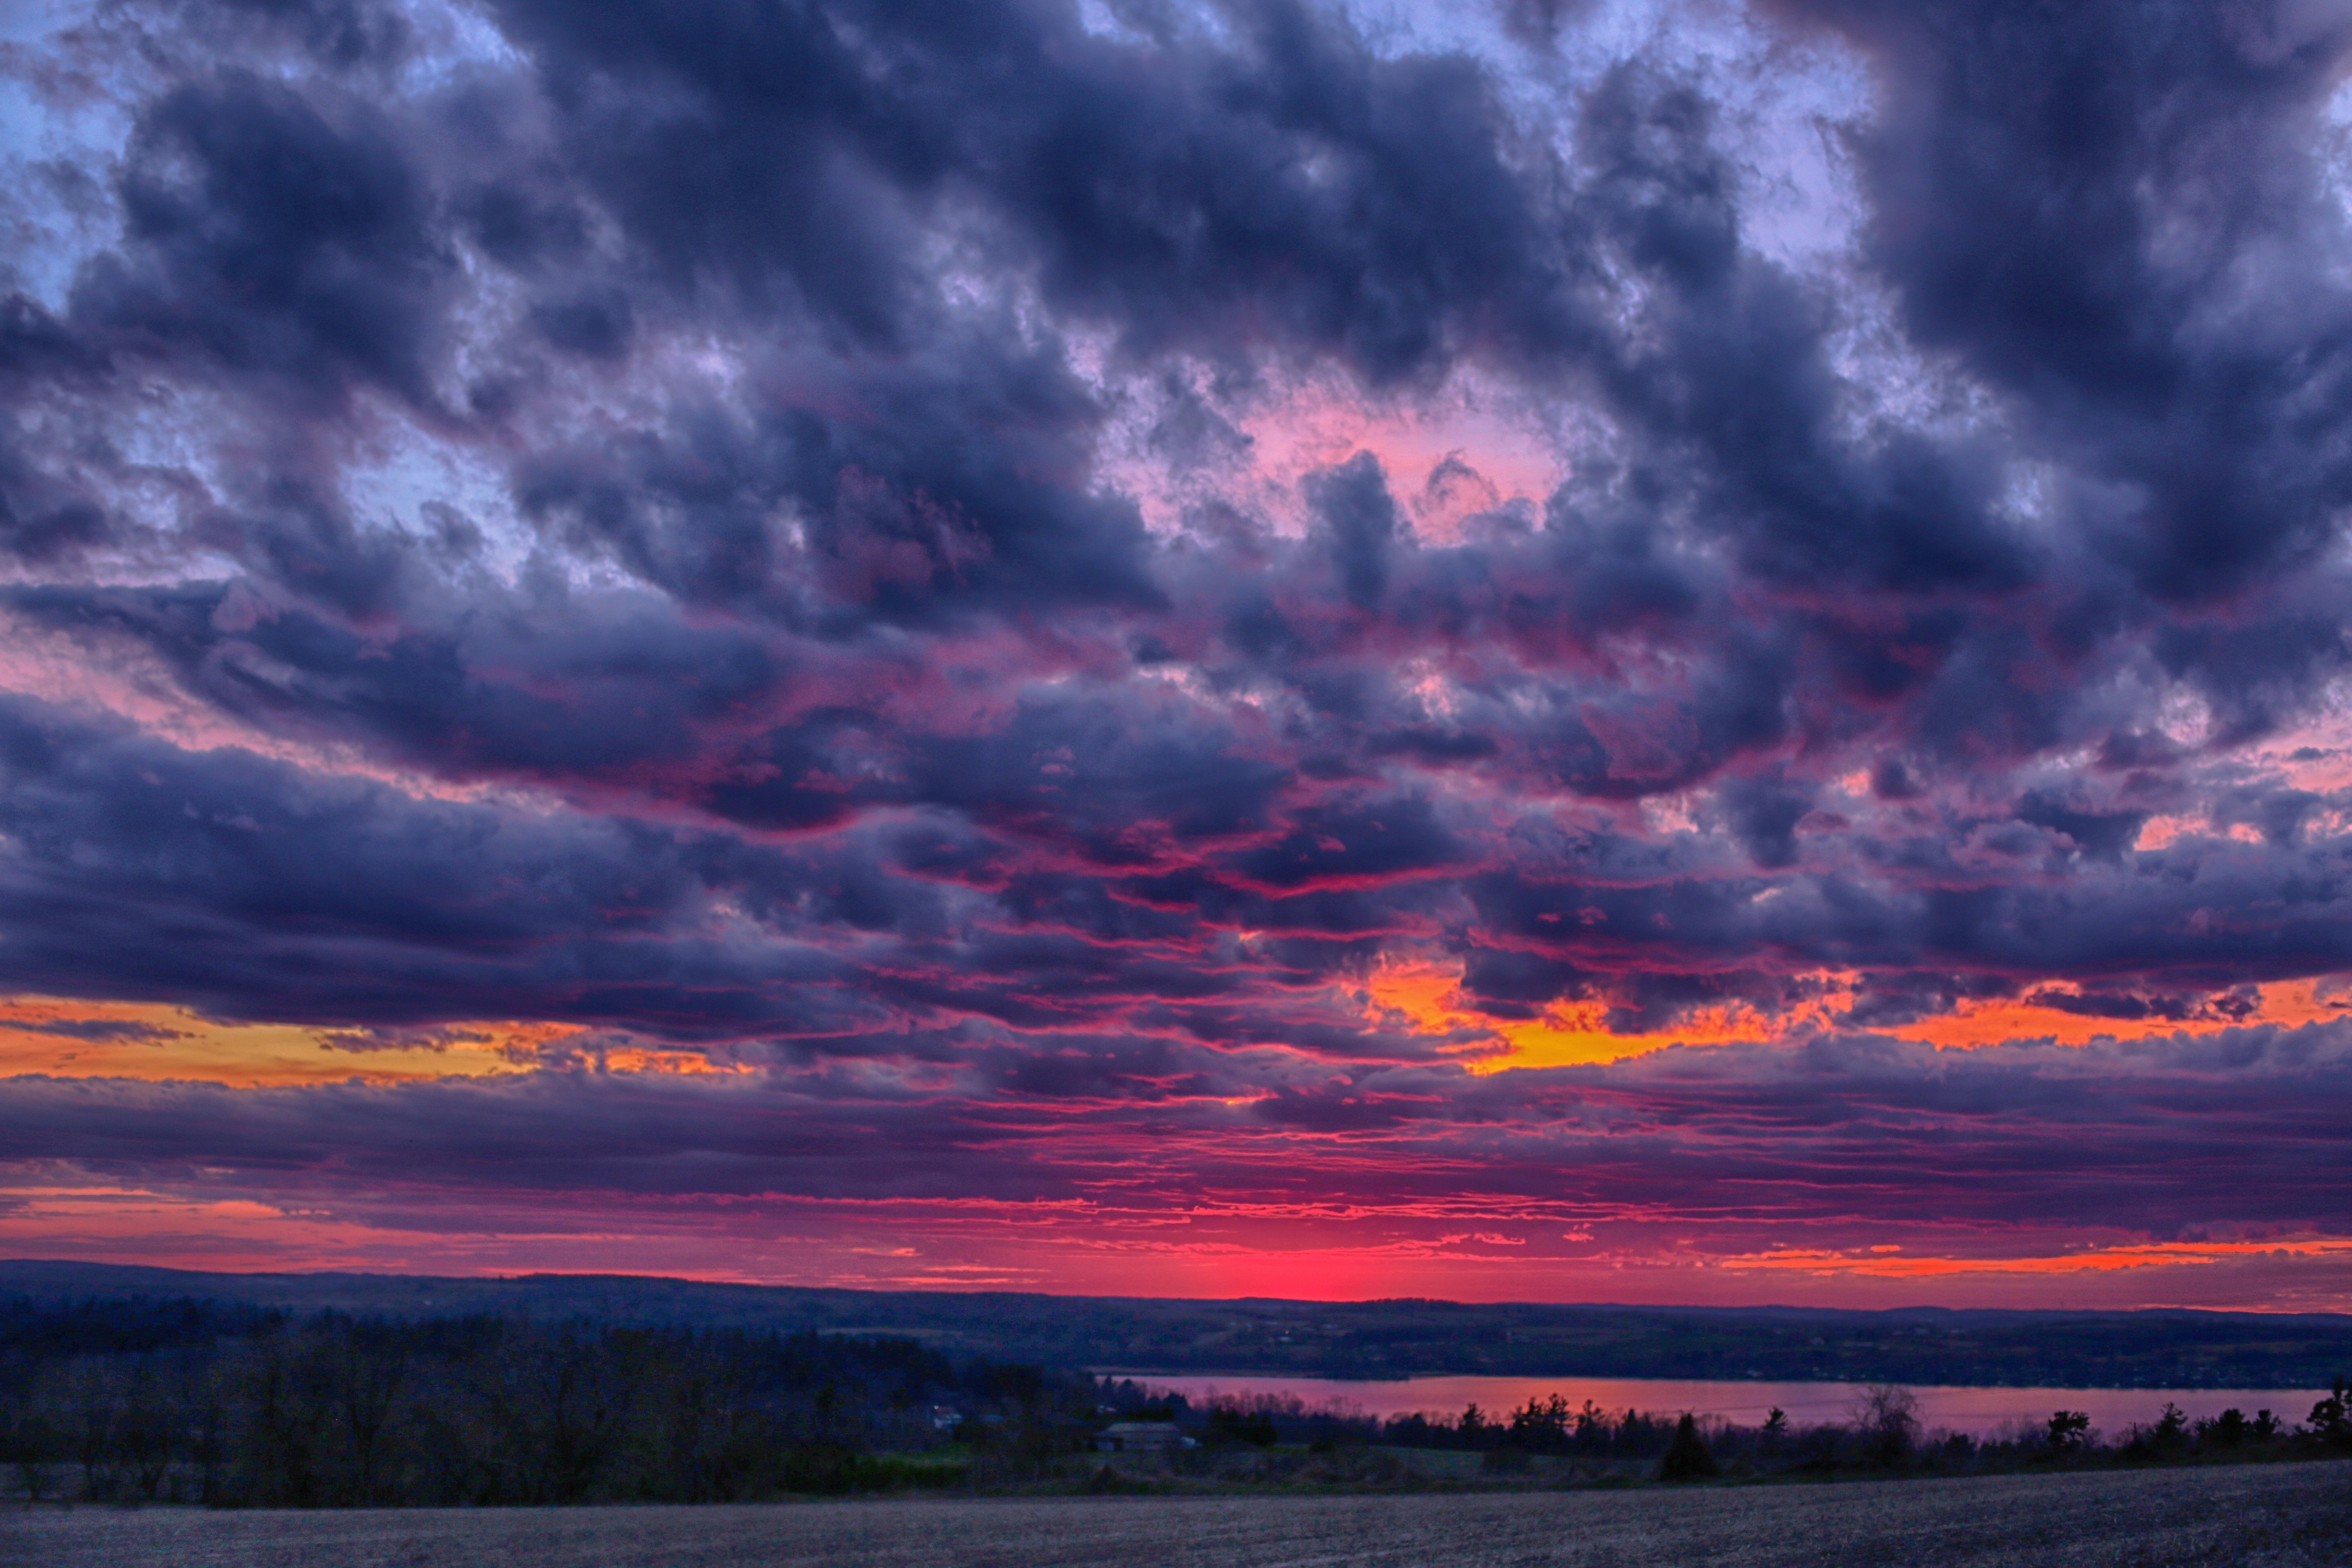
[
  {"x": 944, "y": 1419},
  {"x": 1141, "y": 1437}
]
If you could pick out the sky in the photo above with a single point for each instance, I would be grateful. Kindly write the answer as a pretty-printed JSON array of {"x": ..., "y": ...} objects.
[{"x": 1631, "y": 651}]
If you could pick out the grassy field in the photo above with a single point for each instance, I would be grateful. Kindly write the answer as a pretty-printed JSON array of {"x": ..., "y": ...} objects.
[{"x": 2274, "y": 1516}]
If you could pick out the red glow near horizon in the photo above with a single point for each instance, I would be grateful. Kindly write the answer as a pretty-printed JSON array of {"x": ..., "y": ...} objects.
[{"x": 1330, "y": 659}]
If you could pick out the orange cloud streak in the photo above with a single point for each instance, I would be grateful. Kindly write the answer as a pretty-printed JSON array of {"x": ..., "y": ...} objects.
[
  {"x": 1427, "y": 998},
  {"x": 1885, "y": 1263},
  {"x": 2287, "y": 1003},
  {"x": 157, "y": 1042}
]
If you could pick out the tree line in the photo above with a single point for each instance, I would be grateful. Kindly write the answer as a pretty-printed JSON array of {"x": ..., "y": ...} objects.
[
  {"x": 1882, "y": 1433},
  {"x": 144, "y": 1401},
  {"x": 131, "y": 1400}
]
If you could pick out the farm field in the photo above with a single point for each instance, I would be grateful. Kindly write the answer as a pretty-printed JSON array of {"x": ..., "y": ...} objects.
[{"x": 2273, "y": 1516}]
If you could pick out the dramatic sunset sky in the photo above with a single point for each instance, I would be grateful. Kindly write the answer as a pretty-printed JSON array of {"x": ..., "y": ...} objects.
[{"x": 1639, "y": 651}]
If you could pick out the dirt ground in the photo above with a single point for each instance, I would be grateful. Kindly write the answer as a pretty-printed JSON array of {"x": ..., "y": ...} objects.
[{"x": 2273, "y": 1516}]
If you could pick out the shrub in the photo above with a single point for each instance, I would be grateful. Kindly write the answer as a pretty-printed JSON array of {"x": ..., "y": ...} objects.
[
  {"x": 1507, "y": 1461},
  {"x": 1228, "y": 1424}
]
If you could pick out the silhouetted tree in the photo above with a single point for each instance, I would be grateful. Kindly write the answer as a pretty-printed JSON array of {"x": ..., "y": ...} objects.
[
  {"x": 1541, "y": 1425},
  {"x": 2171, "y": 1431},
  {"x": 2331, "y": 1418},
  {"x": 2069, "y": 1430},
  {"x": 2228, "y": 1430},
  {"x": 2167, "y": 1436},
  {"x": 1688, "y": 1457},
  {"x": 1474, "y": 1428},
  {"x": 1592, "y": 1428}
]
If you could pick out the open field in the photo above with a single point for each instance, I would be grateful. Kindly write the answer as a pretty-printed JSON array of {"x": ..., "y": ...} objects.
[{"x": 2274, "y": 1516}]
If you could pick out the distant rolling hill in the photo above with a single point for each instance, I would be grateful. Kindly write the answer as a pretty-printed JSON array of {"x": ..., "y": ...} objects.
[{"x": 1345, "y": 1340}]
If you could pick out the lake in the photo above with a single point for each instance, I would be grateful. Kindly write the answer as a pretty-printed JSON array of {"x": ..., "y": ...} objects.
[{"x": 1980, "y": 1412}]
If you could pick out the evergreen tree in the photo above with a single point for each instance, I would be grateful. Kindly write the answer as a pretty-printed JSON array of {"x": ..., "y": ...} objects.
[{"x": 1688, "y": 1458}]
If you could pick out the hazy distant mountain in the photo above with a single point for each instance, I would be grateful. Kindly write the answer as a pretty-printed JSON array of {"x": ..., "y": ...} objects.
[{"x": 1357, "y": 1339}]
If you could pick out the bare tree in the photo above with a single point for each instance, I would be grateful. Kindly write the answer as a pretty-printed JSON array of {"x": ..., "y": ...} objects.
[
  {"x": 1887, "y": 1419},
  {"x": 33, "y": 1444},
  {"x": 370, "y": 1369}
]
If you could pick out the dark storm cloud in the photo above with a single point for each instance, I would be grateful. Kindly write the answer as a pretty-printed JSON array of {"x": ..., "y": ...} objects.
[
  {"x": 97, "y": 1030},
  {"x": 945, "y": 489},
  {"x": 2163, "y": 1137},
  {"x": 1764, "y": 817},
  {"x": 2122, "y": 1135},
  {"x": 1735, "y": 370},
  {"x": 250, "y": 889},
  {"x": 841, "y": 697},
  {"x": 455, "y": 695},
  {"x": 340, "y": 35},
  {"x": 2070, "y": 196},
  {"x": 1273, "y": 170},
  {"x": 268, "y": 244},
  {"x": 2205, "y": 913},
  {"x": 1354, "y": 504}
]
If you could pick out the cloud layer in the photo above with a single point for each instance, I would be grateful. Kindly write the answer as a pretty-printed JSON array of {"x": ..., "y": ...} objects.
[{"x": 1194, "y": 610}]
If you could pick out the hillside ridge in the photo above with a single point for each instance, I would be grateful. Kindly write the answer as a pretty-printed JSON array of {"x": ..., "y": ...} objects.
[{"x": 1259, "y": 1336}]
